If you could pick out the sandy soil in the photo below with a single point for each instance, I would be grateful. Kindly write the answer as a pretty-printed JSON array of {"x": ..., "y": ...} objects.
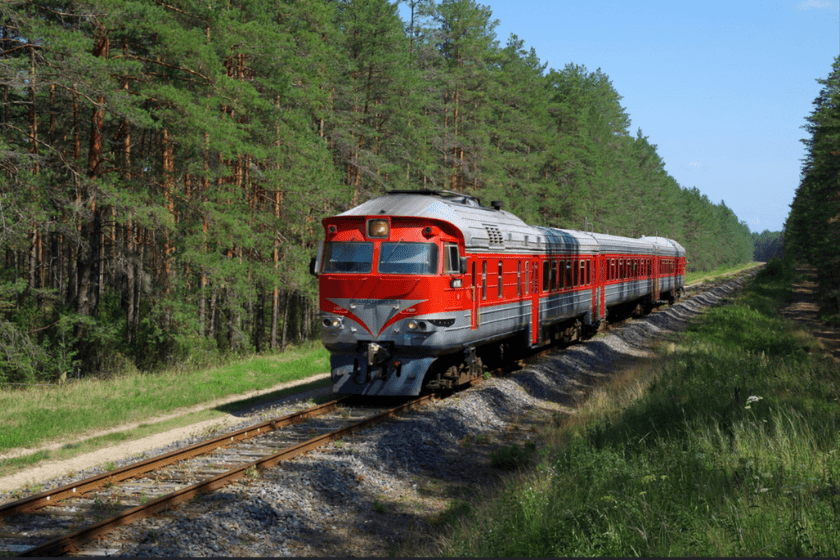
[{"x": 48, "y": 470}]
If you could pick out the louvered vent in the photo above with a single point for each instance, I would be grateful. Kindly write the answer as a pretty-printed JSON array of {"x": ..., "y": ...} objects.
[{"x": 494, "y": 235}]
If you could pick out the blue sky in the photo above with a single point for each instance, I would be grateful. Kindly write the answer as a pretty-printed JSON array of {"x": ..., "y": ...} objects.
[{"x": 721, "y": 87}]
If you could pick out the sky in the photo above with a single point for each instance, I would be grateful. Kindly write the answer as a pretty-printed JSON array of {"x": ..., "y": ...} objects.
[{"x": 722, "y": 88}]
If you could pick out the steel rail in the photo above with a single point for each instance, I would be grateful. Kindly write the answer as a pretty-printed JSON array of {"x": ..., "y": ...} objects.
[
  {"x": 51, "y": 497},
  {"x": 67, "y": 543}
]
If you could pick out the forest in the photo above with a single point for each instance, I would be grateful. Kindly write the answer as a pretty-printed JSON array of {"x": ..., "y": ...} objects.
[
  {"x": 165, "y": 164},
  {"x": 768, "y": 245},
  {"x": 812, "y": 229}
]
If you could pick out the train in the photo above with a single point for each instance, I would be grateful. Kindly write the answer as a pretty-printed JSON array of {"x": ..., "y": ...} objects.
[{"x": 423, "y": 289}]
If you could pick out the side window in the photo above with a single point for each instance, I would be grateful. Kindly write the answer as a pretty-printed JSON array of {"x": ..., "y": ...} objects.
[
  {"x": 451, "y": 261},
  {"x": 527, "y": 278},
  {"x": 546, "y": 266},
  {"x": 586, "y": 273},
  {"x": 561, "y": 274},
  {"x": 519, "y": 279},
  {"x": 484, "y": 280},
  {"x": 501, "y": 281}
]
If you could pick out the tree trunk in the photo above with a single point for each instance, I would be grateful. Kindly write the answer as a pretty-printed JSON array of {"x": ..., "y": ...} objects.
[
  {"x": 286, "y": 305},
  {"x": 211, "y": 328},
  {"x": 168, "y": 163},
  {"x": 275, "y": 315},
  {"x": 202, "y": 305},
  {"x": 259, "y": 321}
]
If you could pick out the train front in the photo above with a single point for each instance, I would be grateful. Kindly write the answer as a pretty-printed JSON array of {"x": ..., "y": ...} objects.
[{"x": 390, "y": 289}]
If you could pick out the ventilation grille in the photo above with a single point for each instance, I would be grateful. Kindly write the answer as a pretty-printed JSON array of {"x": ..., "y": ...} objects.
[{"x": 494, "y": 235}]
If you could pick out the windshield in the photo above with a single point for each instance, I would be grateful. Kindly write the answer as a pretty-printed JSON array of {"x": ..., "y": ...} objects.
[
  {"x": 348, "y": 257},
  {"x": 408, "y": 258}
]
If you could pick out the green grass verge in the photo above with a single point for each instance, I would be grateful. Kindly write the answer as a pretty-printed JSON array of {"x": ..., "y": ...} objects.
[
  {"x": 733, "y": 449},
  {"x": 691, "y": 277},
  {"x": 33, "y": 416}
]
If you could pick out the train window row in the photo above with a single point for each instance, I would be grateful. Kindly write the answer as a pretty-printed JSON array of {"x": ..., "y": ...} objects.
[
  {"x": 561, "y": 274},
  {"x": 621, "y": 269},
  {"x": 667, "y": 266},
  {"x": 557, "y": 275}
]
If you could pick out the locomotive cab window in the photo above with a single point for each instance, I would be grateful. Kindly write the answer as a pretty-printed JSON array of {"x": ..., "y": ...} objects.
[
  {"x": 452, "y": 261},
  {"x": 408, "y": 258},
  {"x": 351, "y": 258}
]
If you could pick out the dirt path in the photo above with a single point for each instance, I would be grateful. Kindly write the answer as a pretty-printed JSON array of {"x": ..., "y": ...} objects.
[{"x": 803, "y": 308}]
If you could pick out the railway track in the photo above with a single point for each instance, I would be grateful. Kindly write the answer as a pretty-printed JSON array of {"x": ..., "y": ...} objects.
[{"x": 61, "y": 520}]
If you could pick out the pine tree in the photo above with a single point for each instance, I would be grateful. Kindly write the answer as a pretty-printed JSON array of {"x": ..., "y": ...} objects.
[{"x": 812, "y": 229}]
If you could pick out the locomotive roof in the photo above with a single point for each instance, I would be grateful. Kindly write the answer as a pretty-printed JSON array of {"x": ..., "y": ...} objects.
[
  {"x": 483, "y": 228},
  {"x": 493, "y": 229}
]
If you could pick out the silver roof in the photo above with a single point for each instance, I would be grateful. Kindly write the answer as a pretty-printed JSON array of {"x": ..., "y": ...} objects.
[
  {"x": 665, "y": 246},
  {"x": 491, "y": 229}
]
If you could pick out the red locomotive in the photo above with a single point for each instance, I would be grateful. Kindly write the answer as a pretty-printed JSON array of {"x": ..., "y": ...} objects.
[{"x": 416, "y": 287}]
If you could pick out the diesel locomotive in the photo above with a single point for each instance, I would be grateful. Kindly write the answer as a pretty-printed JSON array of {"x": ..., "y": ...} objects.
[{"x": 418, "y": 288}]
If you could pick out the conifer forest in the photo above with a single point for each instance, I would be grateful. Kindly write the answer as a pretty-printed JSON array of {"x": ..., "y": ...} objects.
[
  {"x": 165, "y": 164},
  {"x": 812, "y": 229}
]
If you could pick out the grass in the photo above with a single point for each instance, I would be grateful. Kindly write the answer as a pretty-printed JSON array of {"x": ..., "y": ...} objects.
[
  {"x": 37, "y": 415},
  {"x": 691, "y": 277},
  {"x": 729, "y": 447}
]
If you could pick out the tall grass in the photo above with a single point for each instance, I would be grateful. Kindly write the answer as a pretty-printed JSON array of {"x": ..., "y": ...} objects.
[
  {"x": 31, "y": 416},
  {"x": 730, "y": 449}
]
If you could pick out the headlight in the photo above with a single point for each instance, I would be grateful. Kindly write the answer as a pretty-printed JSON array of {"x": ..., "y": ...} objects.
[
  {"x": 412, "y": 325},
  {"x": 334, "y": 323},
  {"x": 378, "y": 228}
]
